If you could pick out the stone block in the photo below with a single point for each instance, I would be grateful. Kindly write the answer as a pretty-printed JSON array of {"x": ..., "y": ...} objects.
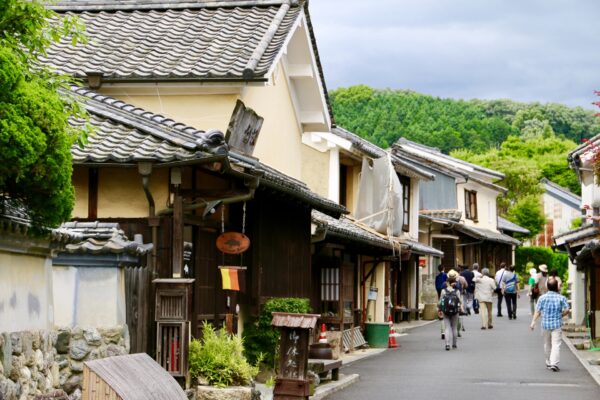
[
  {"x": 114, "y": 350},
  {"x": 6, "y": 353},
  {"x": 16, "y": 339},
  {"x": 62, "y": 342},
  {"x": 39, "y": 359},
  {"x": 229, "y": 393},
  {"x": 8, "y": 389},
  {"x": 36, "y": 340},
  {"x": 72, "y": 383},
  {"x": 79, "y": 349},
  {"x": 77, "y": 333},
  {"x": 112, "y": 335},
  {"x": 55, "y": 375},
  {"x": 17, "y": 363},
  {"x": 334, "y": 338},
  {"x": 92, "y": 337},
  {"x": 76, "y": 366}
]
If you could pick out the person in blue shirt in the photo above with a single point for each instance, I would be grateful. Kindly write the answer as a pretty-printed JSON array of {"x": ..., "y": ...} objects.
[
  {"x": 440, "y": 283},
  {"x": 552, "y": 307}
]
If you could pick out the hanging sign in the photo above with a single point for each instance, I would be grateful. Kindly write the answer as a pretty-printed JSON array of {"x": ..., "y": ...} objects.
[{"x": 233, "y": 242}]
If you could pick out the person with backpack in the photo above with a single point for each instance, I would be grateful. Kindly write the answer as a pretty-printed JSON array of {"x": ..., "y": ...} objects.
[
  {"x": 534, "y": 290},
  {"x": 440, "y": 284},
  {"x": 449, "y": 307},
  {"x": 484, "y": 290},
  {"x": 510, "y": 288}
]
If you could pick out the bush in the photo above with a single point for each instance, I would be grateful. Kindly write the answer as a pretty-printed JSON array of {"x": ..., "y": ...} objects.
[
  {"x": 541, "y": 255},
  {"x": 219, "y": 359},
  {"x": 260, "y": 337}
]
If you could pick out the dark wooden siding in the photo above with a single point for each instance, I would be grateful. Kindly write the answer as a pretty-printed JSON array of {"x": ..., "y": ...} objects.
[
  {"x": 282, "y": 248},
  {"x": 139, "y": 305}
]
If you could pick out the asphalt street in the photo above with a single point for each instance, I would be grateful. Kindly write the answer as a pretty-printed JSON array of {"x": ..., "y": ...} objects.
[{"x": 506, "y": 362}]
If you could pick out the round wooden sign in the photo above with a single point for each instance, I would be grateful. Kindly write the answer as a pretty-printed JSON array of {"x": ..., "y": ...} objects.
[{"x": 233, "y": 242}]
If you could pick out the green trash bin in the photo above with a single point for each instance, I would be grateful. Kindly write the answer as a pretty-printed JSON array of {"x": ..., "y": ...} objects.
[{"x": 377, "y": 334}]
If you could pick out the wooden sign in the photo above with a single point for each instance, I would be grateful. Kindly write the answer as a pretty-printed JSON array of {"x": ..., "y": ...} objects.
[
  {"x": 243, "y": 130},
  {"x": 233, "y": 242}
]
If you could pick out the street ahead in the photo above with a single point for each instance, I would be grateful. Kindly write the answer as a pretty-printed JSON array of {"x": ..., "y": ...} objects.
[{"x": 506, "y": 362}]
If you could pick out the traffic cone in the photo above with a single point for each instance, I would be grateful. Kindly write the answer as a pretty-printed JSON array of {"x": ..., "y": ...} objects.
[
  {"x": 322, "y": 335},
  {"x": 392, "y": 338}
]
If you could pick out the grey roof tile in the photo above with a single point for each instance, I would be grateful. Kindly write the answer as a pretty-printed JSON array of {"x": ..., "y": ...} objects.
[
  {"x": 486, "y": 234},
  {"x": 200, "y": 43},
  {"x": 125, "y": 133},
  {"x": 506, "y": 225}
]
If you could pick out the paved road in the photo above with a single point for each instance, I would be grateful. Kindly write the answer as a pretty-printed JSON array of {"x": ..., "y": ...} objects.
[{"x": 506, "y": 362}]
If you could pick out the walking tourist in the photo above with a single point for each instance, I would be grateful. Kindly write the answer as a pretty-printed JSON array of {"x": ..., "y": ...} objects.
[
  {"x": 510, "y": 287},
  {"x": 499, "y": 278},
  {"x": 484, "y": 289},
  {"x": 542, "y": 279},
  {"x": 552, "y": 306},
  {"x": 554, "y": 274},
  {"x": 476, "y": 274},
  {"x": 469, "y": 290},
  {"x": 440, "y": 283},
  {"x": 449, "y": 308},
  {"x": 534, "y": 290}
]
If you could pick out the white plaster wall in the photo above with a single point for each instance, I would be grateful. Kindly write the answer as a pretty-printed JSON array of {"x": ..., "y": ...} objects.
[
  {"x": 25, "y": 292},
  {"x": 414, "y": 209},
  {"x": 563, "y": 219},
  {"x": 577, "y": 282},
  {"x": 89, "y": 296},
  {"x": 486, "y": 205}
]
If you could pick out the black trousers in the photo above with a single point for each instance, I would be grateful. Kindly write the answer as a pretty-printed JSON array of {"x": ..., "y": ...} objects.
[
  {"x": 500, "y": 296},
  {"x": 511, "y": 304}
]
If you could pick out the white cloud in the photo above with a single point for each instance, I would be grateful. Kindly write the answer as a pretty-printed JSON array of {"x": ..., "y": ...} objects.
[{"x": 535, "y": 50}]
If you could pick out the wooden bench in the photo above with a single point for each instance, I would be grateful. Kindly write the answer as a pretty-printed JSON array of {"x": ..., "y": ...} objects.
[
  {"x": 405, "y": 314},
  {"x": 321, "y": 367}
]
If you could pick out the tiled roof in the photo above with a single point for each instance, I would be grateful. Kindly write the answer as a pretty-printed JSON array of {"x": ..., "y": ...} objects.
[
  {"x": 451, "y": 215},
  {"x": 486, "y": 234},
  {"x": 125, "y": 133},
  {"x": 582, "y": 233},
  {"x": 279, "y": 181},
  {"x": 434, "y": 155},
  {"x": 173, "y": 40},
  {"x": 563, "y": 194},
  {"x": 97, "y": 238},
  {"x": 506, "y": 225},
  {"x": 351, "y": 230},
  {"x": 346, "y": 229},
  {"x": 13, "y": 216},
  {"x": 373, "y": 151}
]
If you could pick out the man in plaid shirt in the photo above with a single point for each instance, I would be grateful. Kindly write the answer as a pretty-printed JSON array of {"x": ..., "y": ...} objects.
[{"x": 552, "y": 306}]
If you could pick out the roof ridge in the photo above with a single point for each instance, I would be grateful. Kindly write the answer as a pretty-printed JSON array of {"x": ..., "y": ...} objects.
[
  {"x": 559, "y": 187},
  {"x": 114, "y": 5},
  {"x": 174, "y": 132}
]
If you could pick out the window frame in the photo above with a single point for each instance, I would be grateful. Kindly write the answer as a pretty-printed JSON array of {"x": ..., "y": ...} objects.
[
  {"x": 471, "y": 205},
  {"x": 405, "y": 182}
]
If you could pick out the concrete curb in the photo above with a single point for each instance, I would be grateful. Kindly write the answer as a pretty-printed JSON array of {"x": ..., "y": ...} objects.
[
  {"x": 329, "y": 388},
  {"x": 592, "y": 370}
]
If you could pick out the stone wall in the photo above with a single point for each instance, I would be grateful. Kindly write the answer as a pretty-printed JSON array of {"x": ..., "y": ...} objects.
[{"x": 33, "y": 363}]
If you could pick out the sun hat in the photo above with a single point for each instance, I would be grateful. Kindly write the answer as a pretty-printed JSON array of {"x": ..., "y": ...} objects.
[
  {"x": 452, "y": 274},
  {"x": 543, "y": 268}
]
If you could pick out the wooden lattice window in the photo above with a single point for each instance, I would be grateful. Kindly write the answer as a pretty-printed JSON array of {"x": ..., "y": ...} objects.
[{"x": 330, "y": 291}]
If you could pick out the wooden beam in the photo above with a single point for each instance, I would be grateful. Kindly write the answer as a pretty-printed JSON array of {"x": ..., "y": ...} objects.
[
  {"x": 177, "y": 257},
  {"x": 93, "y": 193}
]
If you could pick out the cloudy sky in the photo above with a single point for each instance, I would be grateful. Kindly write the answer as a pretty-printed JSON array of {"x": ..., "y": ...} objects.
[{"x": 525, "y": 50}]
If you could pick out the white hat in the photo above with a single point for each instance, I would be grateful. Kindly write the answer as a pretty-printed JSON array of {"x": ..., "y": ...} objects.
[{"x": 543, "y": 268}]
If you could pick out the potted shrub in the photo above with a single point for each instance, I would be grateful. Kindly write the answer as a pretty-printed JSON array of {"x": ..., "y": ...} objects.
[{"x": 218, "y": 364}]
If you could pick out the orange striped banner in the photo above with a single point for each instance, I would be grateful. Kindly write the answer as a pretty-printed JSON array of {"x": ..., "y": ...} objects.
[{"x": 232, "y": 277}]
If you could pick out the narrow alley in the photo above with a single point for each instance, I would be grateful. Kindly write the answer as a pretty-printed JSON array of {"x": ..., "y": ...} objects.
[{"x": 504, "y": 362}]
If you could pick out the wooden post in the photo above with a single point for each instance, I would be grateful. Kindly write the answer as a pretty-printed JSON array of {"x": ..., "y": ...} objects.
[{"x": 177, "y": 235}]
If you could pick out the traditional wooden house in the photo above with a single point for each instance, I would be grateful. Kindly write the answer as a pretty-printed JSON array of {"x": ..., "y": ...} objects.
[
  {"x": 173, "y": 184},
  {"x": 582, "y": 243},
  {"x": 458, "y": 210}
]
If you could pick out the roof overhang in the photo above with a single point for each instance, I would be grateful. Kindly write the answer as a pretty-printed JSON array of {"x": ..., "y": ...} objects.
[{"x": 486, "y": 234}]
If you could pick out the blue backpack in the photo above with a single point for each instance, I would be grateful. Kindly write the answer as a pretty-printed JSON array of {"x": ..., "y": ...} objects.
[{"x": 511, "y": 285}]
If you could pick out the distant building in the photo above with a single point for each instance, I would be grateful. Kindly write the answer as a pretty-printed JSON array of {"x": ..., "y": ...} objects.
[{"x": 561, "y": 207}]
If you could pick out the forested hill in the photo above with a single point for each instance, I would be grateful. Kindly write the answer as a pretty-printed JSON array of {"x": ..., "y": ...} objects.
[{"x": 382, "y": 116}]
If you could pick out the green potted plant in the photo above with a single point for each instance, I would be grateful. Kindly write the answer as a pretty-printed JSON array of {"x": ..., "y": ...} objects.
[{"x": 217, "y": 365}]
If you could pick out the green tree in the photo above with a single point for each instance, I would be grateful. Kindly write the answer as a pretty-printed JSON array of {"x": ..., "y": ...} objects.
[
  {"x": 527, "y": 212},
  {"x": 35, "y": 164}
]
